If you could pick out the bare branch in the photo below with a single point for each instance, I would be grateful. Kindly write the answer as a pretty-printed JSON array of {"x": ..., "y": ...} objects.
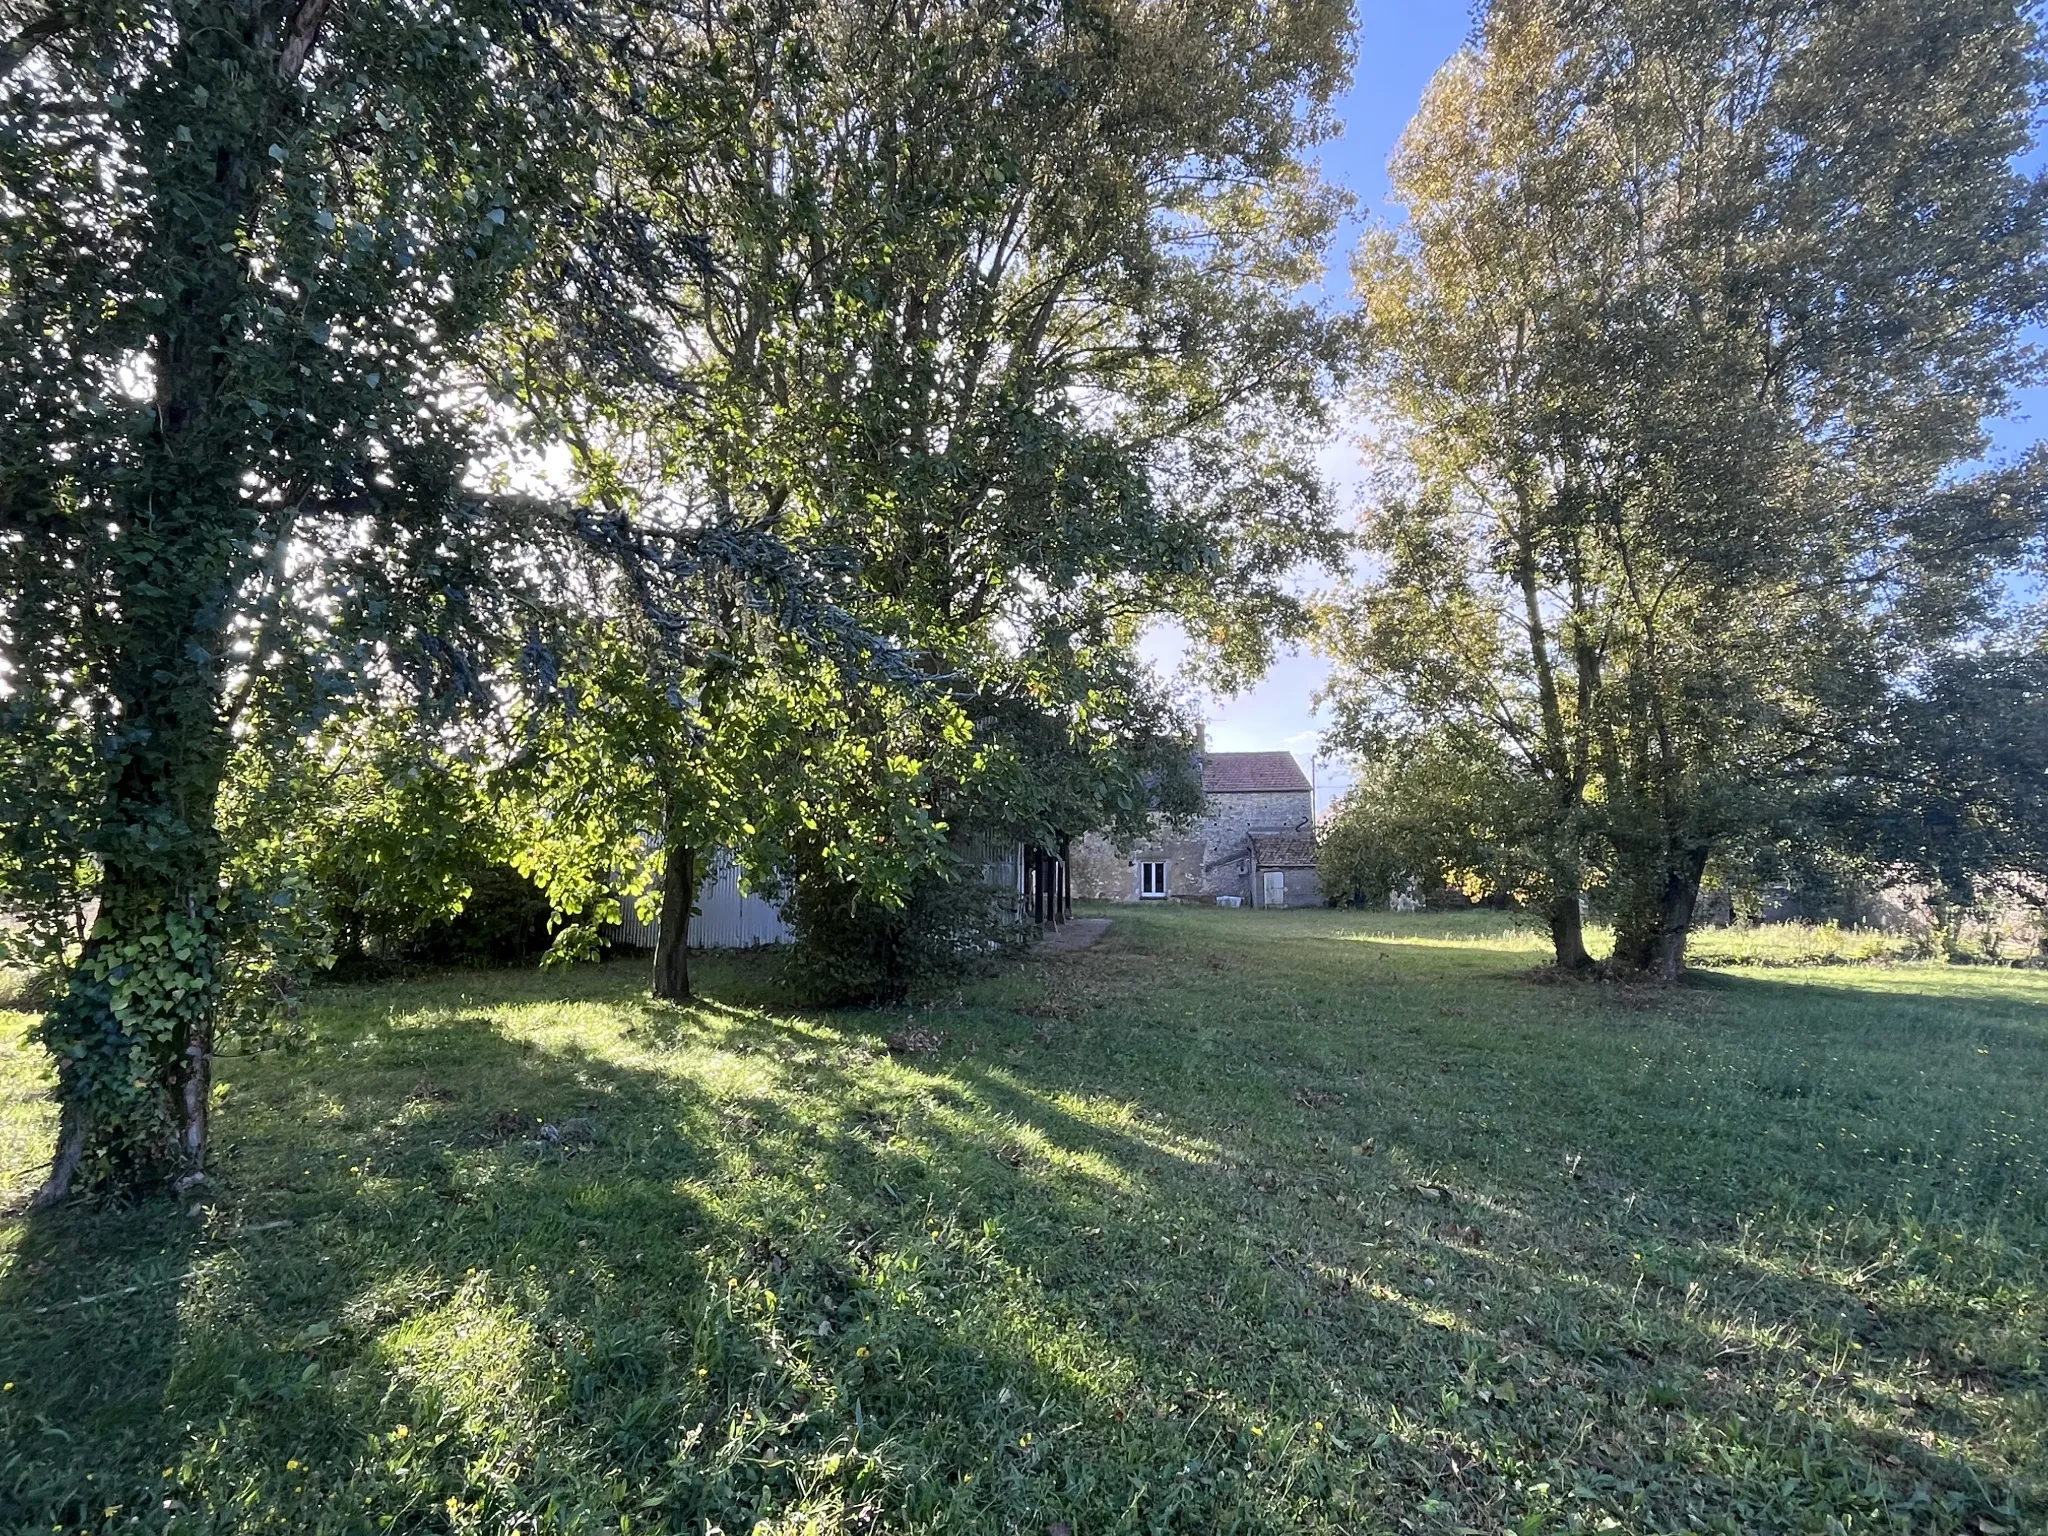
[
  {"x": 15, "y": 51},
  {"x": 300, "y": 34}
]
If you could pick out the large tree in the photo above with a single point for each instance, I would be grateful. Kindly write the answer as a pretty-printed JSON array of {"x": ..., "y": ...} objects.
[
  {"x": 251, "y": 253},
  {"x": 998, "y": 303},
  {"x": 995, "y": 297},
  {"x": 1684, "y": 354}
]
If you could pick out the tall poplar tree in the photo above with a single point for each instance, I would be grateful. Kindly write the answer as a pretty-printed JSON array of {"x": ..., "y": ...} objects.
[{"x": 1684, "y": 354}]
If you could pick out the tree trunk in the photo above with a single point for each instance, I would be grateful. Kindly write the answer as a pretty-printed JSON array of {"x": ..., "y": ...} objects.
[
  {"x": 133, "y": 1032},
  {"x": 196, "y": 1096},
  {"x": 672, "y": 938},
  {"x": 1568, "y": 934},
  {"x": 73, "y": 1126},
  {"x": 1651, "y": 933},
  {"x": 1681, "y": 899}
]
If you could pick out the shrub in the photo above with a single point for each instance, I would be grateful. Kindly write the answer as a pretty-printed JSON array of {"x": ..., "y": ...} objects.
[
  {"x": 503, "y": 921},
  {"x": 851, "y": 949}
]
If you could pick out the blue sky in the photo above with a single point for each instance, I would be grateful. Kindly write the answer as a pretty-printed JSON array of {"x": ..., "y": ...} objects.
[{"x": 1400, "y": 46}]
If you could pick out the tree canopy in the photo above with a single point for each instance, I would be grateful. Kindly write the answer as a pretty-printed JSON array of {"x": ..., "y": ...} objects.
[
  {"x": 770, "y": 376},
  {"x": 997, "y": 306},
  {"x": 1680, "y": 365}
]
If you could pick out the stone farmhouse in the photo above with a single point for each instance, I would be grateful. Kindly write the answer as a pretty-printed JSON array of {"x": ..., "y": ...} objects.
[{"x": 1253, "y": 846}]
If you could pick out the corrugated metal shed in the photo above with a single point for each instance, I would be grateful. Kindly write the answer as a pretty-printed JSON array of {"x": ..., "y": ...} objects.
[{"x": 727, "y": 917}]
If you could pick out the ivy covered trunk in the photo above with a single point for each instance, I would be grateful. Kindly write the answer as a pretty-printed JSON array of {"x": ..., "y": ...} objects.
[
  {"x": 1655, "y": 920},
  {"x": 132, "y": 1034}
]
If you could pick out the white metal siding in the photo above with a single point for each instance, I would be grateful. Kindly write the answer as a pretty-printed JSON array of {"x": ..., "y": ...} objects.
[
  {"x": 633, "y": 931},
  {"x": 727, "y": 917}
]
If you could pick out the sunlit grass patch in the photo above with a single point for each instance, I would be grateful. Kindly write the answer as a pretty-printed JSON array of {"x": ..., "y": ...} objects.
[
  {"x": 1267, "y": 1222},
  {"x": 28, "y": 1119},
  {"x": 1775, "y": 944}
]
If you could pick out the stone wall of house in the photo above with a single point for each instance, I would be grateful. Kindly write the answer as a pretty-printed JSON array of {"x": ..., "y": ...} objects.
[
  {"x": 1210, "y": 859},
  {"x": 1103, "y": 872},
  {"x": 1098, "y": 870},
  {"x": 1230, "y": 818}
]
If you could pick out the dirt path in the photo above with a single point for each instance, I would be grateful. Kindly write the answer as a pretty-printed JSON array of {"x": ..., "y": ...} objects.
[{"x": 1078, "y": 934}]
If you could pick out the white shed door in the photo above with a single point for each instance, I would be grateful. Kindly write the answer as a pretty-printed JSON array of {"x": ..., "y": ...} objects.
[{"x": 1276, "y": 888}]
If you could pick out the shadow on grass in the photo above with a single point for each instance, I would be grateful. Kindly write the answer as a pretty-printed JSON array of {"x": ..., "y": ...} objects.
[
  {"x": 760, "y": 1270},
  {"x": 88, "y": 1332},
  {"x": 169, "y": 1362},
  {"x": 463, "y": 1274},
  {"x": 1684, "y": 1369}
]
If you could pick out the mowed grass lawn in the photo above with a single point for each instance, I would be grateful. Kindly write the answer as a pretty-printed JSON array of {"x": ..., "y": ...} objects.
[{"x": 1240, "y": 1221}]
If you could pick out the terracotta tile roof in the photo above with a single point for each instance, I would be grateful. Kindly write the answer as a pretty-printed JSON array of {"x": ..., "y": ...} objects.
[
  {"x": 1284, "y": 850},
  {"x": 1252, "y": 773}
]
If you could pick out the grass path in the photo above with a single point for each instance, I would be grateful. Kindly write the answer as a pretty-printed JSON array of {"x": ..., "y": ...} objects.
[{"x": 1236, "y": 1221}]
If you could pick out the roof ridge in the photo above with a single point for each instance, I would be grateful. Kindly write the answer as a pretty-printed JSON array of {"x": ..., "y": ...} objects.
[{"x": 1268, "y": 772}]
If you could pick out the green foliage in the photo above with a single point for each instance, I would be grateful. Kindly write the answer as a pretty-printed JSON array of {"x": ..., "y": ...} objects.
[
  {"x": 504, "y": 919},
  {"x": 980, "y": 219},
  {"x": 853, "y": 949},
  {"x": 1683, "y": 355},
  {"x": 852, "y": 772},
  {"x": 880, "y": 892},
  {"x": 599, "y": 753},
  {"x": 884, "y": 819},
  {"x": 248, "y": 251},
  {"x": 774, "y": 754},
  {"x": 1406, "y": 830},
  {"x": 1952, "y": 787},
  {"x": 367, "y": 831},
  {"x": 1439, "y": 814},
  {"x": 1077, "y": 739}
]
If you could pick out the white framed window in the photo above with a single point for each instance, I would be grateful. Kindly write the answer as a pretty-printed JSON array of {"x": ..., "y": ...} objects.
[{"x": 1152, "y": 879}]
